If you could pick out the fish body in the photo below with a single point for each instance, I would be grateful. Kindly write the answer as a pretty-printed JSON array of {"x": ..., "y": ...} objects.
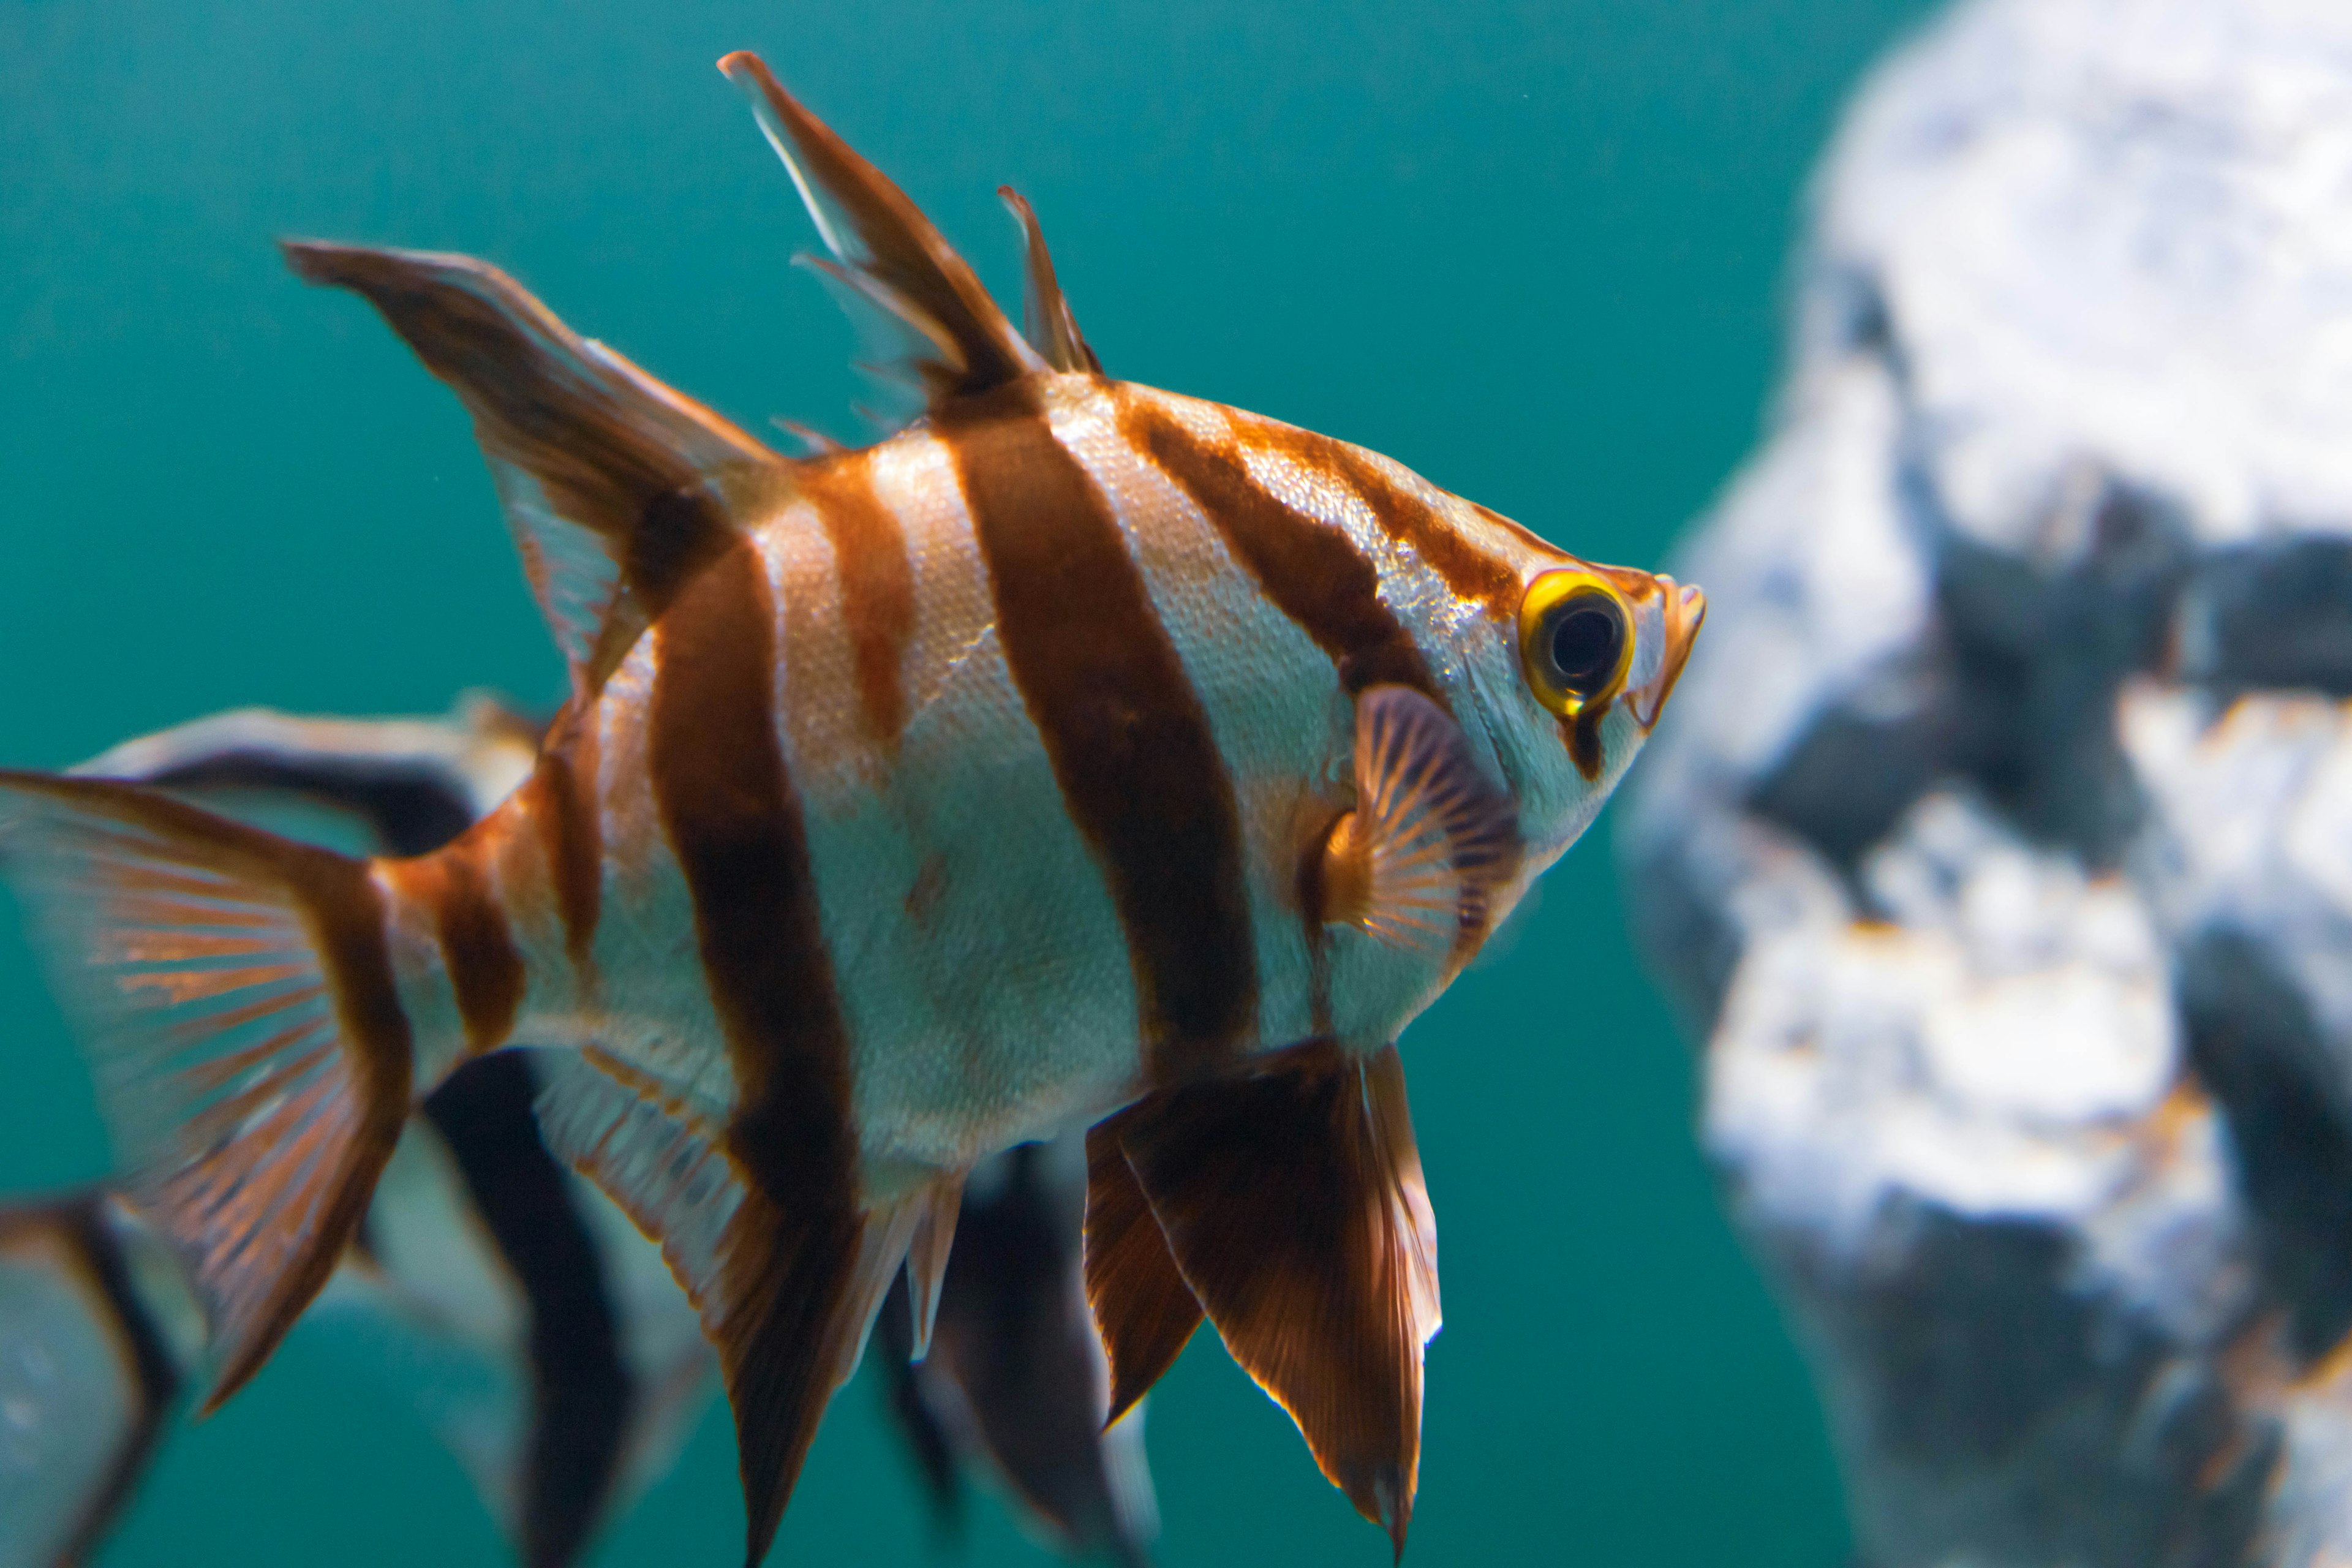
[
  {"x": 1050, "y": 857},
  {"x": 1081, "y": 754}
]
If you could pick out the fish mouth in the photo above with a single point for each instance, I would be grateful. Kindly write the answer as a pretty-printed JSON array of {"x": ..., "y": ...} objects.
[{"x": 1683, "y": 610}]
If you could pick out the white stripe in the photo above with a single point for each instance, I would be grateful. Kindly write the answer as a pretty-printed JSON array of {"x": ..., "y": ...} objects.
[
  {"x": 982, "y": 968},
  {"x": 1275, "y": 711}
]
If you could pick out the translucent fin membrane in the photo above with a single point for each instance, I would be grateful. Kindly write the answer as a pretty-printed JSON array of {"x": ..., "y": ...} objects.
[
  {"x": 885, "y": 251},
  {"x": 1046, "y": 318},
  {"x": 787, "y": 1295},
  {"x": 237, "y": 1001},
  {"x": 616, "y": 486},
  {"x": 1417, "y": 862}
]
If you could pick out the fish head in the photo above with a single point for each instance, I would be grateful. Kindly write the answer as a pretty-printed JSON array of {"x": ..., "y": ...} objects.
[{"x": 1594, "y": 652}]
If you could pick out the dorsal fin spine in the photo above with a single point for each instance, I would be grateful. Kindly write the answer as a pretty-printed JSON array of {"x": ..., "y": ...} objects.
[{"x": 884, "y": 245}]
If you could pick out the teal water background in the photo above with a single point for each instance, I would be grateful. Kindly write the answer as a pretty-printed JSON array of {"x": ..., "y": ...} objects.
[{"x": 1533, "y": 250}]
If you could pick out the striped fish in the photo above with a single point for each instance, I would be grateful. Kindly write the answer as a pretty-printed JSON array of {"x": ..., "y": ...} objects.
[
  {"x": 1080, "y": 755},
  {"x": 511, "y": 1302},
  {"x": 97, "y": 1335}
]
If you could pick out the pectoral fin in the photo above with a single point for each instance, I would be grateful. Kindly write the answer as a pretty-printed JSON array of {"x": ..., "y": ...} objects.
[
  {"x": 1292, "y": 1204},
  {"x": 1418, "y": 861}
]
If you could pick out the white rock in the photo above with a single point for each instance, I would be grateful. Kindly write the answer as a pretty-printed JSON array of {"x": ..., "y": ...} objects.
[{"x": 2000, "y": 840}]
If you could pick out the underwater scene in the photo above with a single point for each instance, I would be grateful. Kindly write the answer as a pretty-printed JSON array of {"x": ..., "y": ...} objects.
[{"x": 1098, "y": 574}]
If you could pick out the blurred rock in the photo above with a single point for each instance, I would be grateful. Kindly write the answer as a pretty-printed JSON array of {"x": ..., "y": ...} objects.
[{"x": 1999, "y": 842}]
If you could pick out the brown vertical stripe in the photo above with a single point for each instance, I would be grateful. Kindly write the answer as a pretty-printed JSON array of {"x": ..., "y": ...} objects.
[
  {"x": 571, "y": 819},
  {"x": 1581, "y": 735},
  {"x": 347, "y": 918},
  {"x": 1127, "y": 735},
  {"x": 1468, "y": 571},
  {"x": 1311, "y": 570},
  {"x": 877, "y": 588},
  {"x": 733, "y": 820},
  {"x": 478, "y": 949}
]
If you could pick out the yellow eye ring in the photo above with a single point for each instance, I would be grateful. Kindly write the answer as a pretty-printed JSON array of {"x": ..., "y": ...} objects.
[{"x": 1576, "y": 640}]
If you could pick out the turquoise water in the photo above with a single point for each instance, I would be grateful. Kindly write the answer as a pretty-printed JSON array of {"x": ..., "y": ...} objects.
[{"x": 1533, "y": 250}]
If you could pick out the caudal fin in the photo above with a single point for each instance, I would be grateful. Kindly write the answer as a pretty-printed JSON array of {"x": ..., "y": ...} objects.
[{"x": 233, "y": 992}]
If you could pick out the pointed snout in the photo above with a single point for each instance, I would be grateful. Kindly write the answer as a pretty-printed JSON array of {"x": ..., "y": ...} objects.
[{"x": 1685, "y": 610}]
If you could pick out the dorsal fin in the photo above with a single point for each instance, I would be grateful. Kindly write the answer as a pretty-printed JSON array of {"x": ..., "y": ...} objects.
[
  {"x": 1046, "y": 318},
  {"x": 616, "y": 486},
  {"x": 885, "y": 249}
]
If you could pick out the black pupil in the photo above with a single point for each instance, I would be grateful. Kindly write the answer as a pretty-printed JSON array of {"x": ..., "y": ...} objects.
[{"x": 1585, "y": 646}]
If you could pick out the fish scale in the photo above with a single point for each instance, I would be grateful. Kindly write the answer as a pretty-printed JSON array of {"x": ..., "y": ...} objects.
[{"x": 1081, "y": 752}]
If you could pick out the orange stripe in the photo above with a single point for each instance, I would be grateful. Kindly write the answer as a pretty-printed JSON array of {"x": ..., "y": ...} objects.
[
  {"x": 1310, "y": 569},
  {"x": 571, "y": 825},
  {"x": 477, "y": 949},
  {"x": 1126, "y": 733},
  {"x": 733, "y": 818},
  {"x": 1468, "y": 571},
  {"x": 877, "y": 588}
]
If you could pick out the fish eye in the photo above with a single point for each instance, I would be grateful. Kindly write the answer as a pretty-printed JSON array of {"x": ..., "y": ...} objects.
[{"x": 1573, "y": 641}]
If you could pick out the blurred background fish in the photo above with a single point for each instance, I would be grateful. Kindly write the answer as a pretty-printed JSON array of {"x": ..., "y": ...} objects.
[{"x": 519, "y": 1312}]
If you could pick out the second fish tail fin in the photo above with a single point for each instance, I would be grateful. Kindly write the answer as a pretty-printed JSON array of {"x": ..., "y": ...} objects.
[
  {"x": 235, "y": 993},
  {"x": 100, "y": 1340}
]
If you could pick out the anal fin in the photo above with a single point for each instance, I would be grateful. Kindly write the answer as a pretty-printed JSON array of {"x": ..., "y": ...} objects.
[
  {"x": 1144, "y": 1310},
  {"x": 787, "y": 1290},
  {"x": 935, "y": 1209},
  {"x": 1292, "y": 1201}
]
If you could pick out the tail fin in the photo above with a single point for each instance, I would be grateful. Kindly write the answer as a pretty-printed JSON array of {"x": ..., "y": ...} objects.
[{"x": 234, "y": 991}]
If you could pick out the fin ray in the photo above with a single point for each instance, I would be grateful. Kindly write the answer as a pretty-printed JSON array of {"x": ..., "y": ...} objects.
[
  {"x": 927, "y": 1256},
  {"x": 254, "y": 1073},
  {"x": 884, "y": 248},
  {"x": 1293, "y": 1203},
  {"x": 1046, "y": 317},
  {"x": 1418, "y": 861},
  {"x": 616, "y": 486}
]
